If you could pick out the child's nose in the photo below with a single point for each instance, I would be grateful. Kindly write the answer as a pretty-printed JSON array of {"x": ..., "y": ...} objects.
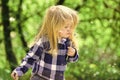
[{"x": 68, "y": 28}]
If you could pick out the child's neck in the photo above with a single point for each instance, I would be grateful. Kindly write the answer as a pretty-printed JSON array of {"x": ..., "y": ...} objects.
[{"x": 61, "y": 40}]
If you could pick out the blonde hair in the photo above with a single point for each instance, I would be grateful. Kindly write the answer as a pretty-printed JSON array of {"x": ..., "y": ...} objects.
[{"x": 55, "y": 18}]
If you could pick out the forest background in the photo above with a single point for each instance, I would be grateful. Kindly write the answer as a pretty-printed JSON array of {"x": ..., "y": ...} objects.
[{"x": 98, "y": 35}]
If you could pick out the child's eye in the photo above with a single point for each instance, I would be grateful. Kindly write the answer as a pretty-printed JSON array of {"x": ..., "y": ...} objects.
[{"x": 66, "y": 27}]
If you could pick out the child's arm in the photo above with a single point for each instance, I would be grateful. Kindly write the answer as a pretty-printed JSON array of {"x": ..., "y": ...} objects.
[
  {"x": 72, "y": 54},
  {"x": 32, "y": 56}
]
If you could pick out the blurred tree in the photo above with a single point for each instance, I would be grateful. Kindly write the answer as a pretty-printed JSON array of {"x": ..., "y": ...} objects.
[
  {"x": 60, "y": 2},
  {"x": 7, "y": 39},
  {"x": 98, "y": 34},
  {"x": 19, "y": 21}
]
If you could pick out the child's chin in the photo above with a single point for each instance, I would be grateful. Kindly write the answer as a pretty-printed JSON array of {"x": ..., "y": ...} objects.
[{"x": 66, "y": 37}]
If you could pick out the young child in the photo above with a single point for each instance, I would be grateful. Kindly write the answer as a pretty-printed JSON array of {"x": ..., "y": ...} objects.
[{"x": 54, "y": 46}]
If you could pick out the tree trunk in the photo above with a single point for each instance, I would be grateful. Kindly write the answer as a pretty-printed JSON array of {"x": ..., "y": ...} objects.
[
  {"x": 18, "y": 18},
  {"x": 7, "y": 39}
]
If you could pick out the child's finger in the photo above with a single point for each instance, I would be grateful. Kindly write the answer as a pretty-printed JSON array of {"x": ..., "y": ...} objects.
[
  {"x": 14, "y": 76},
  {"x": 69, "y": 48},
  {"x": 71, "y": 51}
]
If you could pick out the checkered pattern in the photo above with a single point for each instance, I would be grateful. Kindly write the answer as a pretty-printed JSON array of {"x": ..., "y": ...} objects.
[{"x": 44, "y": 64}]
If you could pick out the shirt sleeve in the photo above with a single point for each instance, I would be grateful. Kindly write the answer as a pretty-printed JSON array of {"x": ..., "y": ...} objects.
[
  {"x": 32, "y": 56},
  {"x": 73, "y": 58}
]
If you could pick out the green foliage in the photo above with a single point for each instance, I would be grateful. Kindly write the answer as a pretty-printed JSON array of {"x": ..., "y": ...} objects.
[
  {"x": 5, "y": 74},
  {"x": 99, "y": 43},
  {"x": 98, "y": 37}
]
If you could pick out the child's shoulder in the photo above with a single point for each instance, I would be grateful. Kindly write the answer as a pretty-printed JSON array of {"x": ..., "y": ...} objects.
[
  {"x": 45, "y": 42},
  {"x": 43, "y": 39}
]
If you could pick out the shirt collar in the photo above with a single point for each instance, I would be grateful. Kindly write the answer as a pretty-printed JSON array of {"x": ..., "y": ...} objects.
[{"x": 63, "y": 40}]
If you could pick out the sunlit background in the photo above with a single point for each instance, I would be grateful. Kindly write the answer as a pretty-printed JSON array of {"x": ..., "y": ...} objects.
[{"x": 98, "y": 34}]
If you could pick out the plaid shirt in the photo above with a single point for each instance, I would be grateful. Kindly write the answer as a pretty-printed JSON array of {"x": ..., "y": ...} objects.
[{"x": 44, "y": 64}]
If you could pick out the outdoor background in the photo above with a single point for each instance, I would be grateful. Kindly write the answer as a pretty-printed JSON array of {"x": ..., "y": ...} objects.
[{"x": 98, "y": 35}]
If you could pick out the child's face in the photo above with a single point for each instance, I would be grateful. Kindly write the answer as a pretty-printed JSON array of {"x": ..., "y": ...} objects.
[{"x": 66, "y": 30}]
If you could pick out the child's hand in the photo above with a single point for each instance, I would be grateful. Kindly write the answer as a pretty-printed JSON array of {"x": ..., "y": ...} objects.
[
  {"x": 71, "y": 51},
  {"x": 14, "y": 75}
]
